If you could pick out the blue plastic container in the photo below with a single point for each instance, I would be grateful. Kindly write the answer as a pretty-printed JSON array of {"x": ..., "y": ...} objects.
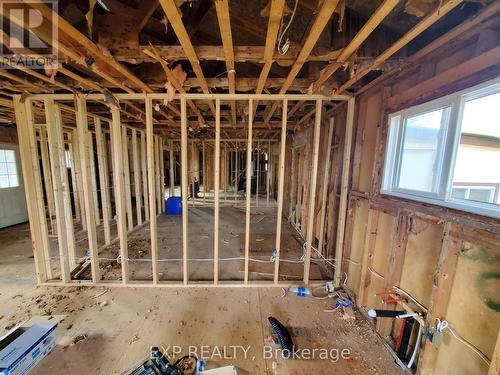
[{"x": 174, "y": 206}]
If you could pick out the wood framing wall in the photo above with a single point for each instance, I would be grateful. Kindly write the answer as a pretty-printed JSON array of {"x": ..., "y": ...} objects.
[
  {"x": 94, "y": 180},
  {"x": 440, "y": 256}
]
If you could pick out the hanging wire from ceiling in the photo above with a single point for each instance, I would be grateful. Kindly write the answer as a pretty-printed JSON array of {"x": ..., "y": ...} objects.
[{"x": 283, "y": 49}]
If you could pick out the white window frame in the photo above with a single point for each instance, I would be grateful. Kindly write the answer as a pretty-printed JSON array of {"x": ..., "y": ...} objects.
[
  {"x": 16, "y": 162},
  {"x": 447, "y": 151}
]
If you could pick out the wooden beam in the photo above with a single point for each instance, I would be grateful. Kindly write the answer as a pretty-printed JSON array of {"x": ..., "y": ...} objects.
[
  {"x": 344, "y": 191},
  {"x": 312, "y": 191},
  {"x": 275, "y": 15},
  {"x": 322, "y": 19},
  {"x": 171, "y": 167},
  {"x": 172, "y": 13},
  {"x": 151, "y": 186},
  {"x": 216, "y": 190},
  {"x": 281, "y": 185},
  {"x": 420, "y": 27},
  {"x": 248, "y": 188},
  {"x": 222, "y": 8},
  {"x": 376, "y": 19},
  {"x": 83, "y": 131}
]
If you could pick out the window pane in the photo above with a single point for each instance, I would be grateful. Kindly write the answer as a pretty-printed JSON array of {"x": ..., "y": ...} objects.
[
  {"x": 478, "y": 154},
  {"x": 3, "y": 168},
  {"x": 459, "y": 193},
  {"x": 11, "y": 168},
  {"x": 10, "y": 156},
  {"x": 420, "y": 151},
  {"x": 4, "y": 181},
  {"x": 13, "y": 181},
  {"x": 2, "y": 155}
]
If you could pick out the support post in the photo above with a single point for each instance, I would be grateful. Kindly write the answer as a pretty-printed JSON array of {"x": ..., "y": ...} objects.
[
  {"x": 203, "y": 171},
  {"x": 216, "y": 189},
  {"x": 312, "y": 193},
  {"x": 162, "y": 175},
  {"x": 268, "y": 174},
  {"x": 85, "y": 160},
  {"x": 248, "y": 188},
  {"x": 151, "y": 185},
  {"x": 344, "y": 191},
  {"x": 49, "y": 193},
  {"x": 281, "y": 185},
  {"x": 257, "y": 179}
]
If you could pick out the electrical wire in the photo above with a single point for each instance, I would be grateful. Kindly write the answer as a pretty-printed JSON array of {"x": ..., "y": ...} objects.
[
  {"x": 443, "y": 325},
  {"x": 410, "y": 297},
  {"x": 284, "y": 49}
]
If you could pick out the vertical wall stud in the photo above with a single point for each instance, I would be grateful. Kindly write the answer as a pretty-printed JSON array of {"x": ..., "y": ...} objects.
[
  {"x": 281, "y": 185},
  {"x": 312, "y": 193},
  {"x": 103, "y": 179},
  {"x": 119, "y": 182},
  {"x": 93, "y": 177},
  {"x": 171, "y": 168},
  {"x": 344, "y": 190},
  {"x": 268, "y": 174},
  {"x": 85, "y": 160},
  {"x": 144, "y": 169},
  {"x": 151, "y": 185},
  {"x": 162, "y": 175},
  {"x": 216, "y": 189},
  {"x": 248, "y": 188},
  {"x": 137, "y": 183},
  {"x": 126, "y": 173},
  {"x": 49, "y": 193},
  {"x": 29, "y": 168},
  {"x": 184, "y": 179},
  {"x": 324, "y": 192},
  {"x": 203, "y": 171}
]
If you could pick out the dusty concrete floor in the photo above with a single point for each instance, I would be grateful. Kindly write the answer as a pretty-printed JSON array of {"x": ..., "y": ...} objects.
[{"x": 118, "y": 327}]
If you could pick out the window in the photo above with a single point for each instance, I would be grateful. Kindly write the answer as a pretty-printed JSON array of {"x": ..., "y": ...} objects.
[
  {"x": 447, "y": 151},
  {"x": 8, "y": 169}
]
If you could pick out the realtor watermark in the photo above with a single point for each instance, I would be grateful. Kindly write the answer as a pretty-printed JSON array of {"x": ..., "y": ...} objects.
[
  {"x": 268, "y": 352},
  {"x": 29, "y": 34}
]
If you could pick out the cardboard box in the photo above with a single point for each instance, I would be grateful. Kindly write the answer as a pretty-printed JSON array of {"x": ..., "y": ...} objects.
[{"x": 23, "y": 347}]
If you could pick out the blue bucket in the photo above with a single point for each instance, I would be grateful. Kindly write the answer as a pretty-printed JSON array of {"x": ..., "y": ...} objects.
[{"x": 174, "y": 206}]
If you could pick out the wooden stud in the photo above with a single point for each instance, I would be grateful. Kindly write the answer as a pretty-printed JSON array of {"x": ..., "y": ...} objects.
[
  {"x": 216, "y": 189},
  {"x": 74, "y": 183},
  {"x": 171, "y": 169},
  {"x": 324, "y": 195},
  {"x": 39, "y": 238},
  {"x": 258, "y": 176},
  {"x": 56, "y": 150},
  {"x": 367, "y": 259},
  {"x": 248, "y": 188},
  {"x": 49, "y": 193},
  {"x": 184, "y": 182},
  {"x": 144, "y": 169},
  {"x": 85, "y": 160},
  {"x": 78, "y": 175},
  {"x": 103, "y": 180},
  {"x": 119, "y": 188},
  {"x": 137, "y": 183},
  {"x": 93, "y": 176},
  {"x": 344, "y": 191},
  {"x": 126, "y": 174},
  {"x": 281, "y": 185},
  {"x": 312, "y": 192},
  {"x": 151, "y": 185},
  {"x": 441, "y": 292},
  {"x": 204, "y": 164},
  {"x": 162, "y": 175}
]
